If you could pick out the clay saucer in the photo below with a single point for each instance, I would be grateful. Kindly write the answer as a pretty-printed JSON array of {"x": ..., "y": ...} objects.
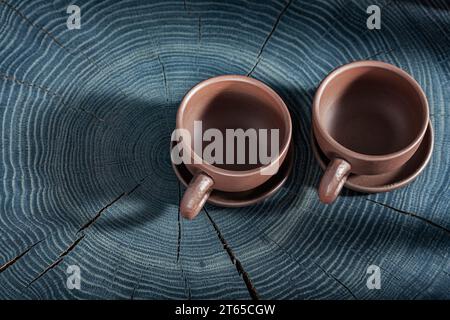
[
  {"x": 246, "y": 198},
  {"x": 387, "y": 181}
]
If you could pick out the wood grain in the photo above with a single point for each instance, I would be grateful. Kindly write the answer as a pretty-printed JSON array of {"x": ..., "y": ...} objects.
[{"x": 86, "y": 117}]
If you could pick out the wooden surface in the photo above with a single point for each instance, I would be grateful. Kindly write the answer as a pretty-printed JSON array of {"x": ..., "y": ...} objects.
[{"x": 86, "y": 117}]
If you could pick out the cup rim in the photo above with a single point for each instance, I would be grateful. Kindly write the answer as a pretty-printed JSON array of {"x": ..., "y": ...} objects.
[
  {"x": 317, "y": 125},
  {"x": 235, "y": 78}
]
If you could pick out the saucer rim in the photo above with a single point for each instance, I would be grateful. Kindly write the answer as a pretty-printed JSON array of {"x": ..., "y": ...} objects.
[
  {"x": 388, "y": 187},
  {"x": 289, "y": 161}
]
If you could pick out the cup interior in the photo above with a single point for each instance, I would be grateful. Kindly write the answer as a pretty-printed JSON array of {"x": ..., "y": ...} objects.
[
  {"x": 372, "y": 110},
  {"x": 236, "y": 104}
]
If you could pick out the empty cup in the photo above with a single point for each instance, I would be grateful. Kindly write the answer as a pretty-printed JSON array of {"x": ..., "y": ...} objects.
[{"x": 369, "y": 117}]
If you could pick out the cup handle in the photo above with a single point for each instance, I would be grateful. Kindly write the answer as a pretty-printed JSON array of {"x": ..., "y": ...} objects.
[
  {"x": 196, "y": 195},
  {"x": 333, "y": 180}
]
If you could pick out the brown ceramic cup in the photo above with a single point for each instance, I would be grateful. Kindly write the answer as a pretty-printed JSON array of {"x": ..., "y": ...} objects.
[
  {"x": 368, "y": 117},
  {"x": 230, "y": 102}
]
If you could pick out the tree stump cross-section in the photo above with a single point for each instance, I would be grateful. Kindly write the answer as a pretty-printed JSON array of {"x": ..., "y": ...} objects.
[{"x": 86, "y": 180}]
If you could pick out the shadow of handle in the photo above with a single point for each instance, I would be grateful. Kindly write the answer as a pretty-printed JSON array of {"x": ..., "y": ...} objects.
[
  {"x": 333, "y": 180},
  {"x": 196, "y": 194}
]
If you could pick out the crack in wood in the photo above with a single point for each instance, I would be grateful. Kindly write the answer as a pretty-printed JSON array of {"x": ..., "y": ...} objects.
[
  {"x": 274, "y": 27},
  {"x": 57, "y": 261},
  {"x": 100, "y": 212},
  {"x": 413, "y": 215},
  {"x": 33, "y": 24},
  {"x": 81, "y": 109},
  {"x": 71, "y": 247},
  {"x": 179, "y": 224},
  {"x": 249, "y": 74},
  {"x": 187, "y": 287},
  {"x": 330, "y": 275},
  {"x": 163, "y": 71},
  {"x": 53, "y": 265},
  {"x": 199, "y": 30},
  {"x": 425, "y": 289},
  {"x": 333, "y": 27},
  {"x": 28, "y": 84},
  {"x": 134, "y": 290},
  {"x": 17, "y": 258},
  {"x": 106, "y": 207},
  {"x": 56, "y": 41},
  {"x": 49, "y": 92},
  {"x": 234, "y": 260},
  {"x": 137, "y": 285},
  {"x": 112, "y": 282},
  {"x": 300, "y": 264},
  {"x": 380, "y": 52}
]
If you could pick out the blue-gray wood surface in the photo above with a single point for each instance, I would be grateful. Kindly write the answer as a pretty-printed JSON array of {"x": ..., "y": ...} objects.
[{"x": 86, "y": 180}]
